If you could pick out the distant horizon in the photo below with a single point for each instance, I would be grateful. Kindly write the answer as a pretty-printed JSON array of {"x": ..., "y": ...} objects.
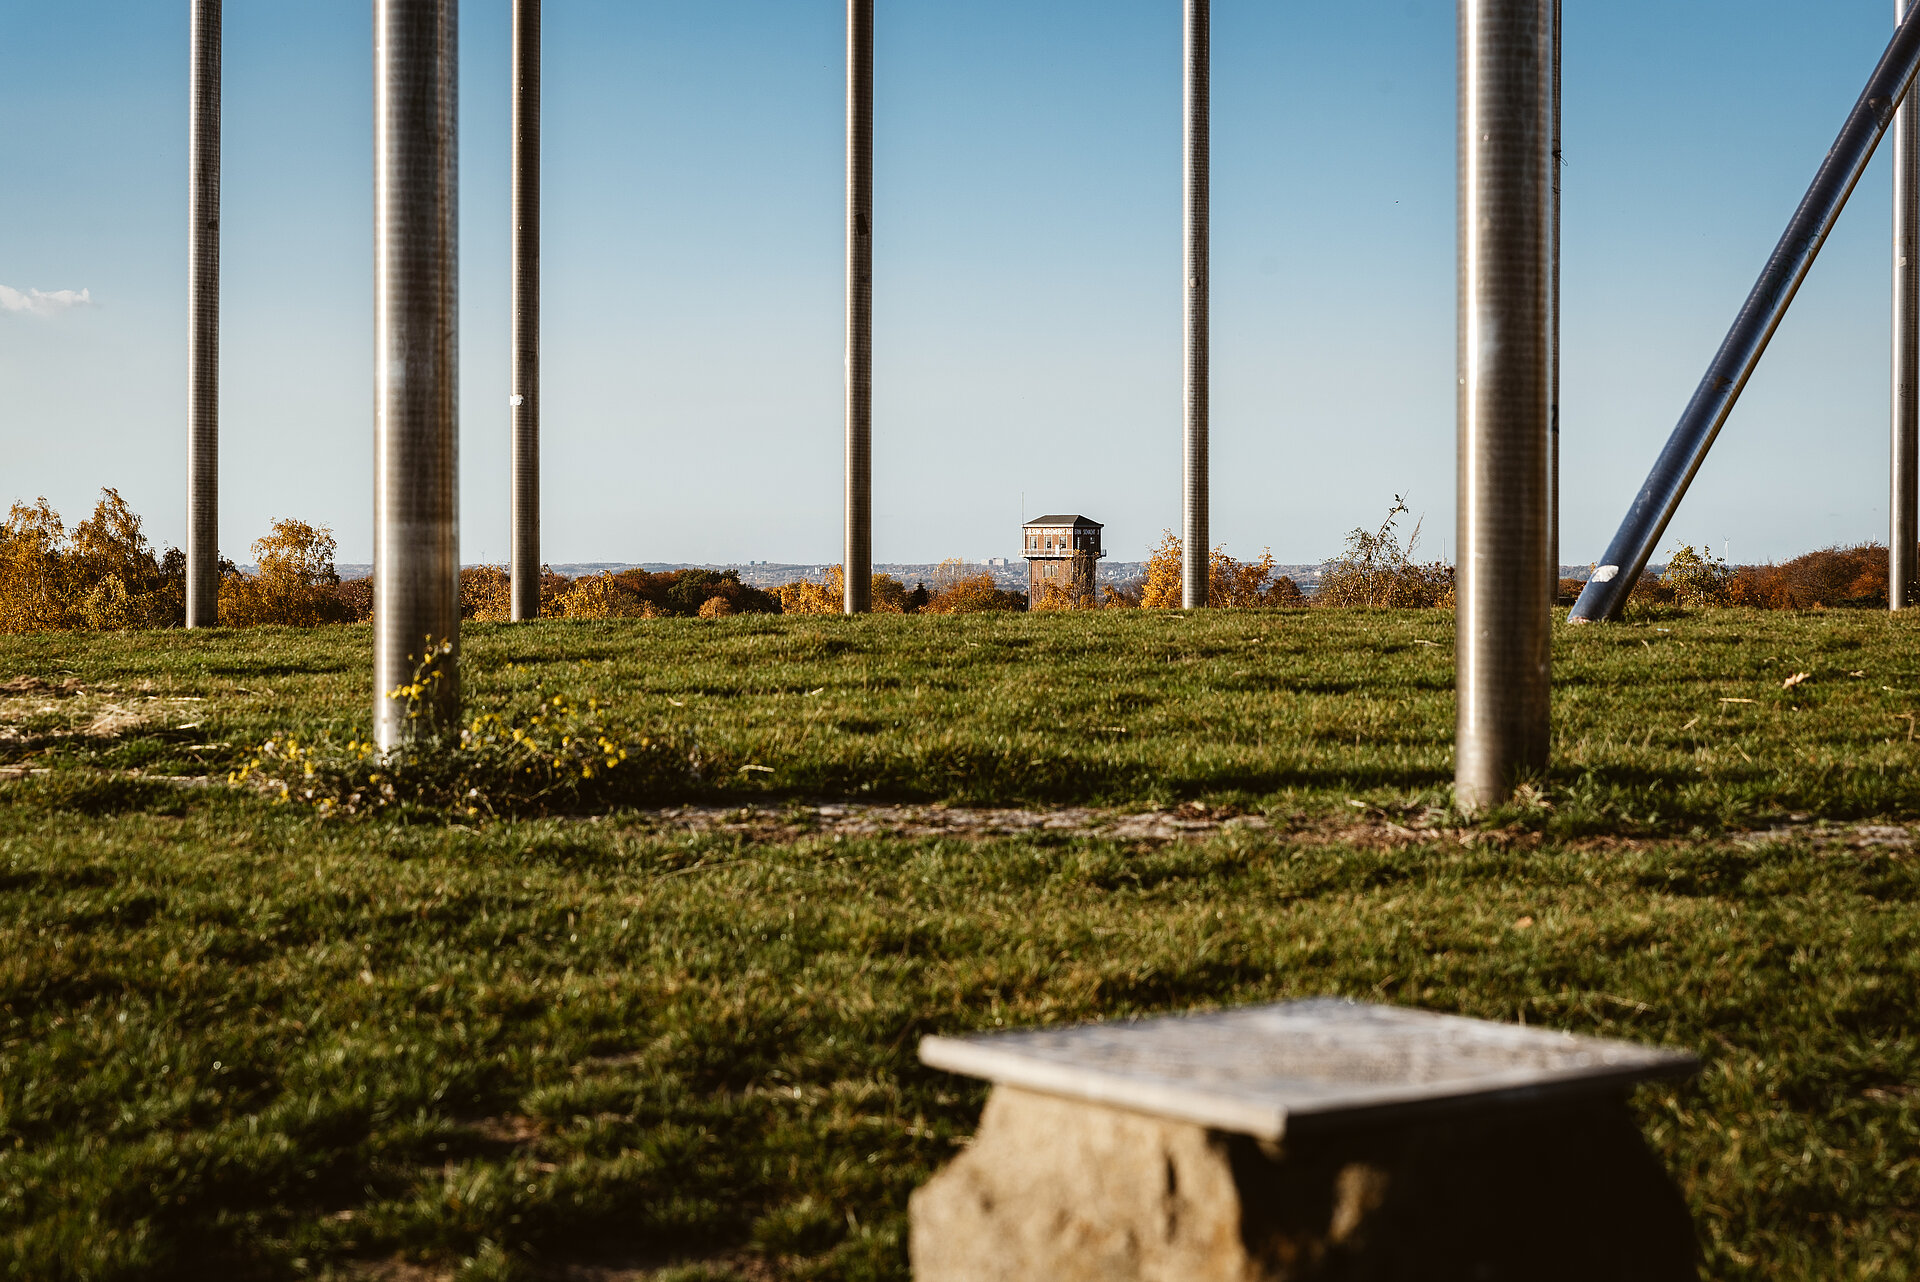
[{"x": 1027, "y": 270}]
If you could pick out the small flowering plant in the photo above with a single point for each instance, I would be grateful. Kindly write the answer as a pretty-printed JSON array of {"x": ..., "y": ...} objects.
[{"x": 558, "y": 757}]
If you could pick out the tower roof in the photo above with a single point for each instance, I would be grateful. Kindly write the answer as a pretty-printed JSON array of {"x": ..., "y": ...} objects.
[{"x": 1080, "y": 521}]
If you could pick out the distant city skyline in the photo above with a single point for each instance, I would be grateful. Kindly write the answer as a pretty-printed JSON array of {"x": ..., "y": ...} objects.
[{"x": 1027, "y": 272}]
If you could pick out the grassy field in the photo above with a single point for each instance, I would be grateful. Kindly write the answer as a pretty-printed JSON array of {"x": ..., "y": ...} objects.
[{"x": 623, "y": 1041}]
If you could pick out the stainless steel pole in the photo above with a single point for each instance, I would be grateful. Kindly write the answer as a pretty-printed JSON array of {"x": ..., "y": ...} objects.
[
  {"x": 1903, "y": 525},
  {"x": 203, "y": 317},
  {"x": 1195, "y": 531},
  {"x": 1504, "y": 618},
  {"x": 1606, "y": 593},
  {"x": 416, "y": 530},
  {"x": 1553, "y": 341},
  {"x": 524, "y": 398},
  {"x": 858, "y": 567}
]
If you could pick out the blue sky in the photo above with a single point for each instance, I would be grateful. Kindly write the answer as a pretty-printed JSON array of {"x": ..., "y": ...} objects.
[{"x": 1027, "y": 270}]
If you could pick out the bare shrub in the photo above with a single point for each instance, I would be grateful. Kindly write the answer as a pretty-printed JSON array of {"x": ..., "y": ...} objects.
[{"x": 1376, "y": 571}]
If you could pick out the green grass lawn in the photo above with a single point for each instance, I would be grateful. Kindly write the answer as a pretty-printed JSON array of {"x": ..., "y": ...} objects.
[{"x": 241, "y": 1040}]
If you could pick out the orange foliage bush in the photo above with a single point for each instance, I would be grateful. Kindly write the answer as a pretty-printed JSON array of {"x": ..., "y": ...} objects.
[
  {"x": 1231, "y": 584},
  {"x": 486, "y": 594},
  {"x": 1834, "y": 577},
  {"x": 976, "y": 594}
]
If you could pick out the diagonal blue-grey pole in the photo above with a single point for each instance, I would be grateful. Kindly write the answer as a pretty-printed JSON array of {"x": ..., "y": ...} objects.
[
  {"x": 523, "y": 401},
  {"x": 203, "y": 317},
  {"x": 1196, "y": 534},
  {"x": 1746, "y": 342},
  {"x": 858, "y": 516},
  {"x": 416, "y": 532},
  {"x": 1504, "y": 644},
  {"x": 1903, "y": 524}
]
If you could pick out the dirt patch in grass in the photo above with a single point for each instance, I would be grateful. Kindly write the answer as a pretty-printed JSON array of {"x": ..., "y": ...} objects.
[
  {"x": 1188, "y": 822},
  {"x": 33, "y": 709}
]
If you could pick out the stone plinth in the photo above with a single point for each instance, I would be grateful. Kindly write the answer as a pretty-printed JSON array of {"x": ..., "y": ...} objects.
[{"x": 1314, "y": 1140}]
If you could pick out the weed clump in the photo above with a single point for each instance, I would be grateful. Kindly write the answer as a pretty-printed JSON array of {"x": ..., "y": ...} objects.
[{"x": 558, "y": 758}]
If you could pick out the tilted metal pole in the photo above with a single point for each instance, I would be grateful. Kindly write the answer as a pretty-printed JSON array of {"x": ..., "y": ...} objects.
[
  {"x": 523, "y": 401},
  {"x": 203, "y": 317},
  {"x": 1606, "y": 593},
  {"x": 1553, "y": 342},
  {"x": 1504, "y": 616},
  {"x": 858, "y": 567},
  {"x": 1903, "y": 509},
  {"x": 1195, "y": 526},
  {"x": 416, "y": 530}
]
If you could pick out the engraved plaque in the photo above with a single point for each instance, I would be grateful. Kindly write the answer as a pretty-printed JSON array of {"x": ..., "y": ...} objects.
[{"x": 1260, "y": 1070}]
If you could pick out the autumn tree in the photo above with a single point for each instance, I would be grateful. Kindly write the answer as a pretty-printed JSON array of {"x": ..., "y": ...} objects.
[
  {"x": 294, "y": 583},
  {"x": 973, "y": 594},
  {"x": 36, "y": 583},
  {"x": 1163, "y": 588},
  {"x": 889, "y": 594},
  {"x": 104, "y": 577},
  {"x": 600, "y": 596},
  {"x": 1231, "y": 584}
]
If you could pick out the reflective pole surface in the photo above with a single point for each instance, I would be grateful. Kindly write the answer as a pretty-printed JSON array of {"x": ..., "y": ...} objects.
[
  {"x": 203, "y": 317},
  {"x": 523, "y": 402},
  {"x": 1504, "y": 618},
  {"x": 1195, "y": 531},
  {"x": 1606, "y": 593},
  {"x": 858, "y": 568},
  {"x": 1903, "y": 532},
  {"x": 1553, "y": 342},
  {"x": 416, "y": 533}
]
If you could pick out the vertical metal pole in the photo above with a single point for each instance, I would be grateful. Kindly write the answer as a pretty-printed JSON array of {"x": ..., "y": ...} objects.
[
  {"x": 416, "y": 530},
  {"x": 1903, "y": 532},
  {"x": 1505, "y": 295},
  {"x": 203, "y": 317},
  {"x": 1553, "y": 342},
  {"x": 858, "y": 567},
  {"x": 524, "y": 398},
  {"x": 1195, "y": 532}
]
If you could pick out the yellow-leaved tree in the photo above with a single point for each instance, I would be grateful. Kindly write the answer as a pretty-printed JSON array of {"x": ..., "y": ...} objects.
[
  {"x": 889, "y": 594},
  {"x": 293, "y": 584},
  {"x": 104, "y": 577},
  {"x": 600, "y": 596},
  {"x": 1231, "y": 584},
  {"x": 36, "y": 584}
]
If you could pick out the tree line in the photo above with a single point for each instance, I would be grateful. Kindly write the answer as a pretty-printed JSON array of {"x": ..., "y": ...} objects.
[{"x": 104, "y": 575}]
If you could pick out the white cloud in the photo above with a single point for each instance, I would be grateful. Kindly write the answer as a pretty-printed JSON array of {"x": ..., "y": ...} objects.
[{"x": 43, "y": 302}]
